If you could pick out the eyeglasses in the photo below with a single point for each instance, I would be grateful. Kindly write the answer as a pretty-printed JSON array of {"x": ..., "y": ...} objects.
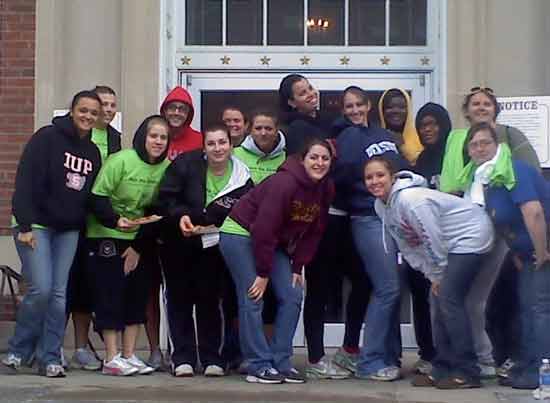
[
  {"x": 177, "y": 108},
  {"x": 475, "y": 90},
  {"x": 480, "y": 144}
]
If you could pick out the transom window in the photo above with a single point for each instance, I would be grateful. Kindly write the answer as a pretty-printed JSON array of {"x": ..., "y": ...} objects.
[{"x": 306, "y": 22}]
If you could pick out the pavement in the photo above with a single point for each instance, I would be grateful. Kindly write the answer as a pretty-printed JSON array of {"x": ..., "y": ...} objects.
[{"x": 83, "y": 386}]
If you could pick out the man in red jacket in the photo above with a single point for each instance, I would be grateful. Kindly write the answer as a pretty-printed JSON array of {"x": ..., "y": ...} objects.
[{"x": 178, "y": 109}]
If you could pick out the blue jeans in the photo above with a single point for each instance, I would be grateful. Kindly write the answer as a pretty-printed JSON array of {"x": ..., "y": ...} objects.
[
  {"x": 452, "y": 329},
  {"x": 382, "y": 339},
  {"x": 238, "y": 254},
  {"x": 40, "y": 324},
  {"x": 534, "y": 314}
]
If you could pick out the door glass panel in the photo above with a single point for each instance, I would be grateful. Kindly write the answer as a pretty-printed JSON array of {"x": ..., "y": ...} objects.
[
  {"x": 285, "y": 25},
  {"x": 367, "y": 22},
  {"x": 203, "y": 22},
  {"x": 213, "y": 103},
  {"x": 326, "y": 22},
  {"x": 244, "y": 22},
  {"x": 408, "y": 22}
]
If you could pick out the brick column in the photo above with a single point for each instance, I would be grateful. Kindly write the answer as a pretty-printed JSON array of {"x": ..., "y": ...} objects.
[{"x": 17, "y": 48}]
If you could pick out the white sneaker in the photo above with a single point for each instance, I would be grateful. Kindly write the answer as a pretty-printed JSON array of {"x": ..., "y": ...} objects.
[
  {"x": 143, "y": 369},
  {"x": 387, "y": 374},
  {"x": 155, "y": 359},
  {"x": 118, "y": 366},
  {"x": 487, "y": 370},
  {"x": 422, "y": 367},
  {"x": 12, "y": 361},
  {"x": 83, "y": 358},
  {"x": 53, "y": 371},
  {"x": 346, "y": 360},
  {"x": 504, "y": 370},
  {"x": 214, "y": 370},
  {"x": 325, "y": 369},
  {"x": 184, "y": 370}
]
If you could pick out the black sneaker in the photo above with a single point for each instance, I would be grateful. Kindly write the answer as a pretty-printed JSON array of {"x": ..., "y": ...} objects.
[
  {"x": 293, "y": 376},
  {"x": 266, "y": 375}
]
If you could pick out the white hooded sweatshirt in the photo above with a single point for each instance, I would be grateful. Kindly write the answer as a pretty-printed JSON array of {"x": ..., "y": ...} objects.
[{"x": 427, "y": 224}]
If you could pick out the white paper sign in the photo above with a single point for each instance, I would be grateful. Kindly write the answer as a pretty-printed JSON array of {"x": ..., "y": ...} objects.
[
  {"x": 530, "y": 115},
  {"x": 116, "y": 122}
]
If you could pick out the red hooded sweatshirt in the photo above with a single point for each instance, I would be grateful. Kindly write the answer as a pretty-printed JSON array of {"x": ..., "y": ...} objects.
[
  {"x": 183, "y": 138},
  {"x": 288, "y": 211}
]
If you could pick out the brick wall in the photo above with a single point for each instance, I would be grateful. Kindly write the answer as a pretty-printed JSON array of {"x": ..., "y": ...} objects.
[{"x": 17, "y": 45}]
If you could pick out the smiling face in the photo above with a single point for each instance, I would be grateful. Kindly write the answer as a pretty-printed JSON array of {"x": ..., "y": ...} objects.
[
  {"x": 482, "y": 147},
  {"x": 356, "y": 108},
  {"x": 177, "y": 113},
  {"x": 317, "y": 162},
  {"x": 85, "y": 114},
  {"x": 480, "y": 108},
  {"x": 156, "y": 141},
  {"x": 428, "y": 130},
  {"x": 395, "y": 112},
  {"x": 264, "y": 133},
  {"x": 108, "y": 109},
  {"x": 217, "y": 147},
  {"x": 304, "y": 98},
  {"x": 235, "y": 122},
  {"x": 378, "y": 180}
]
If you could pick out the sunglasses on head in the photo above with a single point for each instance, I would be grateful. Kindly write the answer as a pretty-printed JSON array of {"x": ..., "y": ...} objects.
[{"x": 475, "y": 90}]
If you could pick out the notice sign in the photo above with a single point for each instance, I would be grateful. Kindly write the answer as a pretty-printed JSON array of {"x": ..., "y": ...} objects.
[{"x": 530, "y": 115}]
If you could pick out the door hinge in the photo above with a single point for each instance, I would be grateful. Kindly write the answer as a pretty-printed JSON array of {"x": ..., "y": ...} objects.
[
  {"x": 188, "y": 80},
  {"x": 422, "y": 81}
]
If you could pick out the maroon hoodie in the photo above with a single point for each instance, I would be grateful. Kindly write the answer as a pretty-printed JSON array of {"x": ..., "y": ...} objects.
[
  {"x": 288, "y": 211},
  {"x": 184, "y": 138}
]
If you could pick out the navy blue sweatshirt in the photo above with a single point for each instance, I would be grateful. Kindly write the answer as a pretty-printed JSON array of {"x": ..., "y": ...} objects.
[
  {"x": 54, "y": 177},
  {"x": 355, "y": 146}
]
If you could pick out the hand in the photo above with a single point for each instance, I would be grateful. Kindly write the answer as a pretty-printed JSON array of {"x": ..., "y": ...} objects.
[
  {"x": 540, "y": 262},
  {"x": 131, "y": 260},
  {"x": 297, "y": 279},
  {"x": 517, "y": 262},
  {"x": 27, "y": 238},
  {"x": 257, "y": 289},
  {"x": 125, "y": 224},
  {"x": 186, "y": 226},
  {"x": 435, "y": 288}
]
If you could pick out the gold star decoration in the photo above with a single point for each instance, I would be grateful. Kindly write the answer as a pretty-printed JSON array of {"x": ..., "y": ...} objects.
[
  {"x": 186, "y": 60},
  {"x": 305, "y": 61},
  {"x": 385, "y": 60},
  {"x": 344, "y": 61},
  {"x": 425, "y": 61},
  {"x": 265, "y": 60},
  {"x": 225, "y": 60}
]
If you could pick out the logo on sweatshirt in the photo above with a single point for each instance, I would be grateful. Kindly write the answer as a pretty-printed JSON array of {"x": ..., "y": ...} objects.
[
  {"x": 381, "y": 148},
  {"x": 303, "y": 212},
  {"x": 80, "y": 167}
]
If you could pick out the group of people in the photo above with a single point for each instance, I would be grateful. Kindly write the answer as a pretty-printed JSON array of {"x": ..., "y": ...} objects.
[{"x": 239, "y": 220}]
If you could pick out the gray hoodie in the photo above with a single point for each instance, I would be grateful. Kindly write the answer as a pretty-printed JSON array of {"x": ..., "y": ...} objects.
[{"x": 427, "y": 224}]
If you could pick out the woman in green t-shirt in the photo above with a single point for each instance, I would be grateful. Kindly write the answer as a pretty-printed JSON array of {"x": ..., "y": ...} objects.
[
  {"x": 197, "y": 193},
  {"x": 124, "y": 190}
]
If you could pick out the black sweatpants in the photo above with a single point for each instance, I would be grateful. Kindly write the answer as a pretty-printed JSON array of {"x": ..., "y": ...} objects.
[
  {"x": 335, "y": 258},
  {"x": 194, "y": 279},
  {"x": 118, "y": 299}
]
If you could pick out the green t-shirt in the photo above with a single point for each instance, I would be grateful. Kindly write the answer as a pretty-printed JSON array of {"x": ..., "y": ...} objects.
[
  {"x": 215, "y": 184},
  {"x": 261, "y": 167},
  {"x": 131, "y": 184},
  {"x": 99, "y": 138}
]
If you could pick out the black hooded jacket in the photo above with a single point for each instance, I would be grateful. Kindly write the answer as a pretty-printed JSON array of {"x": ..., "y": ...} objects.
[
  {"x": 113, "y": 140},
  {"x": 430, "y": 160},
  {"x": 303, "y": 128},
  {"x": 54, "y": 177}
]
